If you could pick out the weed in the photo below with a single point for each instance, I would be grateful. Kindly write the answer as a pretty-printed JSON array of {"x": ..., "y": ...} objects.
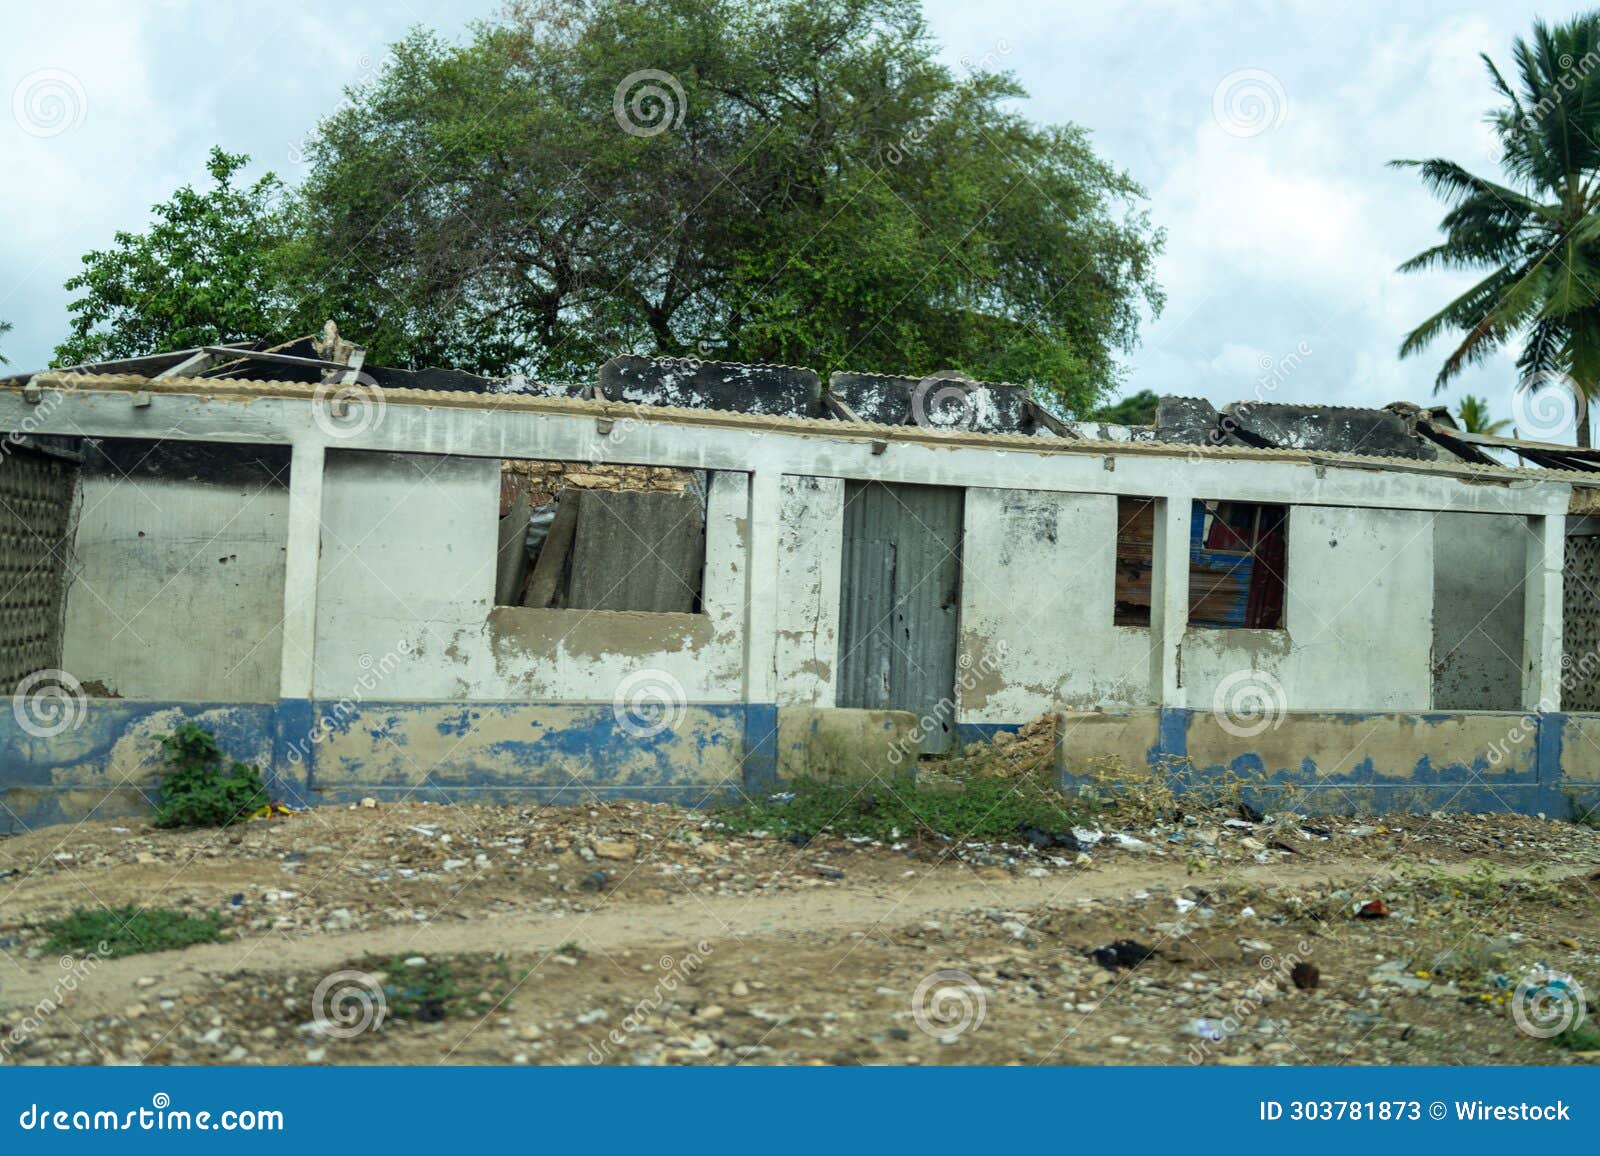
[
  {"x": 981, "y": 808},
  {"x": 439, "y": 989},
  {"x": 201, "y": 787},
  {"x": 130, "y": 930},
  {"x": 1585, "y": 1037}
]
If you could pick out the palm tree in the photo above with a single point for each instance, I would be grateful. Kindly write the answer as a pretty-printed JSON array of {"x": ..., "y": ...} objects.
[
  {"x": 1537, "y": 233},
  {"x": 1473, "y": 414},
  {"x": 5, "y": 328}
]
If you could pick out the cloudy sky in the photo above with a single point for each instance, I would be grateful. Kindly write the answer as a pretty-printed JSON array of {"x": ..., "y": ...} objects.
[{"x": 1259, "y": 129}]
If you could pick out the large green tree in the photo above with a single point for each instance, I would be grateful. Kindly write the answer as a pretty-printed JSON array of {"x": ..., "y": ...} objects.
[
  {"x": 1535, "y": 234},
  {"x": 204, "y": 272},
  {"x": 765, "y": 180}
]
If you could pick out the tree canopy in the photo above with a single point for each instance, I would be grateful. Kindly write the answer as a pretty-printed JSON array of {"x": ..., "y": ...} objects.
[
  {"x": 1537, "y": 234},
  {"x": 1135, "y": 409},
  {"x": 796, "y": 181},
  {"x": 204, "y": 273}
]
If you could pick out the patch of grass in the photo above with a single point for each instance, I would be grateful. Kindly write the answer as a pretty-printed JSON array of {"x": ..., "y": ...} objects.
[
  {"x": 1583, "y": 1038},
  {"x": 441, "y": 988},
  {"x": 201, "y": 787},
  {"x": 981, "y": 808},
  {"x": 129, "y": 930}
]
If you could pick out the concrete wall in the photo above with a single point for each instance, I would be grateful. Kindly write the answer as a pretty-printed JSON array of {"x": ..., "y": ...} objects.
[
  {"x": 1358, "y": 617},
  {"x": 1342, "y": 763},
  {"x": 810, "y": 544},
  {"x": 176, "y": 588},
  {"x": 407, "y": 569},
  {"x": 1479, "y": 564},
  {"x": 1037, "y": 587}
]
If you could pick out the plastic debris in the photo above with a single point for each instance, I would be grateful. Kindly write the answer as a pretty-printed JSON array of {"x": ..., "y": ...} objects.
[
  {"x": 1372, "y": 909},
  {"x": 1124, "y": 953},
  {"x": 1305, "y": 976},
  {"x": 1042, "y": 839}
]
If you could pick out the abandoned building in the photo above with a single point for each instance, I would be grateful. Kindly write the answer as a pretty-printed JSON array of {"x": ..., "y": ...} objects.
[{"x": 686, "y": 577}]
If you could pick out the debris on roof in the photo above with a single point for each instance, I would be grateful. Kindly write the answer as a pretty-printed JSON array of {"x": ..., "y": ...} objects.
[{"x": 945, "y": 401}]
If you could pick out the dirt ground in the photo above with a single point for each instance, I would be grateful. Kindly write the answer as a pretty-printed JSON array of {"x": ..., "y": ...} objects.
[{"x": 643, "y": 934}]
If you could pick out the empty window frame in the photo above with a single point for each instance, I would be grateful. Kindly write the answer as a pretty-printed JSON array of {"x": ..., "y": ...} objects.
[
  {"x": 600, "y": 537},
  {"x": 1237, "y": 555}
]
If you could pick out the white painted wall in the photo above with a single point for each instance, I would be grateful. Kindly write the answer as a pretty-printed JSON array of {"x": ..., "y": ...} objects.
[
  {"x": 407, "y": 570},
  {"x": 1358, "y": 612},
  {"x": 175, "y": 589},
  {"x": 1037, "y": 592},
  {"x": 811, "y": 544}
]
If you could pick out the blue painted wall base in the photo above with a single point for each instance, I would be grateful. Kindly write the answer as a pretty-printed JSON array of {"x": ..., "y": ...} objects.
[{"x": 107, "y": 763}]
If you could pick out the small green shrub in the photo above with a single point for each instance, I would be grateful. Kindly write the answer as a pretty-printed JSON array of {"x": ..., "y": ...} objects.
[
  {"x": 129, "y": 930},
  {"x": 443, "y": 988},
  {"x": 200, "y": 786}
]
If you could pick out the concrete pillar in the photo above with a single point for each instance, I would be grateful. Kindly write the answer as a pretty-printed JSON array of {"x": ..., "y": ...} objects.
[
  {"x": 1541, "y": 623},
  {"x": 298, "y": 671},
  {"x": 1169, "y": 598},
  {"x": 761, "y": 589}
]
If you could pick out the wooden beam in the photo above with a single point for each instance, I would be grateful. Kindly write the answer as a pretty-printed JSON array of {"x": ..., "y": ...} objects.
[{"x": 839, "y": 409}]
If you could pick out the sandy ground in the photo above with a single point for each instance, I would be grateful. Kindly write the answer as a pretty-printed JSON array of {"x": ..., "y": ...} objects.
[{"x": 629, "y": 933}]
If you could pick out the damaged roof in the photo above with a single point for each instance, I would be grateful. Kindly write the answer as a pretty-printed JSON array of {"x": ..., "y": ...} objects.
[{"x": 794, "y": 396}]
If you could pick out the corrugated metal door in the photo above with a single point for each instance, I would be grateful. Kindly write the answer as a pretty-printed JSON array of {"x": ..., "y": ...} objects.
[{"x": 900, "y": 597}]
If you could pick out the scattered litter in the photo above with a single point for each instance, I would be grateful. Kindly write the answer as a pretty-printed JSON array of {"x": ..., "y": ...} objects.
[
  {"x": 1206, "y": 1029},
  {"x": 1042, "y": 839},
  {"x": 1305, "y": 976},
  {"x": 1124, "y": 953},
  {"x": 273, "y": 811},
  {"x": 1371, "y": 909}
]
